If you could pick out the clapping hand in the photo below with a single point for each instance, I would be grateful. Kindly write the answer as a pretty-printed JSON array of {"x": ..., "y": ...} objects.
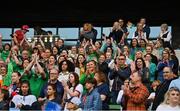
[
  {"x": 64, "y": 83},
  {"x": 19, "y": 106}
]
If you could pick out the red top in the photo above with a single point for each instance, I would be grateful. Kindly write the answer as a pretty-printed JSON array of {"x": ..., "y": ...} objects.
[{"x": 20, "y": 35}]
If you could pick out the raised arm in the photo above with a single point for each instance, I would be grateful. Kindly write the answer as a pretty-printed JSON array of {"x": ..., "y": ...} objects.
[
  {"x": 40, "y": 69},
  {"x": 14, "y": 56},
  {"x": 27, "y": 69},
  {"x": 41, "y": 42},
  {"x": 15, "y": 39},
  {"x": 22, "y": 42}
]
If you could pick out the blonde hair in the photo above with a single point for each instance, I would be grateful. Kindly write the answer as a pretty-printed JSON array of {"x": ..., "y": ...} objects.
[
  {"x": 165, "y": 26},
  {"x": 87, "y": 26},
  {"x": 166, "y": 97}
]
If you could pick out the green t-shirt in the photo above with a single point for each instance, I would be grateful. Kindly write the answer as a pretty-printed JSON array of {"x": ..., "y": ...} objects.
[
  {"x": 7, "y": 77},
  {"x": 4, "y": 55},
  {"x": 84, "y": 76},
  {"x": 36, "y": 82},
  {"x": 15, "y": 66},
  {"x": 7, "y": 80},
  {"x": 92, "y": 56},
  {"x": 83, "y": 79}
]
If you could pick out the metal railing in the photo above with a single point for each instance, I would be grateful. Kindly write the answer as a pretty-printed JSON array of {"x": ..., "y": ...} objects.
[{"x": 52, "y": 39}]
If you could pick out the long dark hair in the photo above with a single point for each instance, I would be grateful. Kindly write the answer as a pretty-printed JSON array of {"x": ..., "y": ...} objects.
[
  {"x": 70, "y": 66},
  {"x": 77, "y": 61},
  {"x": 57, "y": 49},
  {"x": 25, "y": 82},
  {"x": 54, "y": 88},
  {"x": 6, "y": 45},
  {"x": 76, "y": 79},
  {"x": 144, "y": 65},
  {"x": 19, "y": 75},
  {"x": 55, "y": 58},
  {"x": 132, "y": 41}
]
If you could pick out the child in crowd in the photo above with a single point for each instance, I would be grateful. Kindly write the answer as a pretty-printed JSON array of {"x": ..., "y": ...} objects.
[
  {"x": 73, "y": 104},
  {"x": 151, "y": 97}
]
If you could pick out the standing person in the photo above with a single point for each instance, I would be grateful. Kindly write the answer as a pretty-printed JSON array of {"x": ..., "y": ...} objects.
[
  {"x": 19, "y": 35},
  {"x": 141, "y": 67},
  {"x": 103, "y": 89},
  {"x": 149, "y": 50},
  {"x": 175, "y": 83},
  {"x": 109, "y": 45},
  {"x": 36, "y": 75},
  {"x": 121, "y": 98},
  {"x": 51, "y": 62},
  {"x": 163, "y": 87},
  {"x": 61, "y": 45},
  {"x": 151, "y": 66},
  {"x": 103, "y": 65},
  {"x": 171, "y": 100},
  {"x": 51, "y": 101},
  {"x": 120, "y": 73},
  {"x": 5, "y": 50},
  {"x": 158, "y": 49},
  {"x": 151, "y": 97},
  {"x": 138, "y": 94},
  {"x": 139, "y": 33},
  {"x": 6, "y": 77},
  {"x": 14, "y": 88},
  {"x": 146, "y": 28},
  {"x": 80, "y": 64},
  {"x": 53, "y": 80},
  {"x": 116, "y": 33},
  {"x": 52, "y": 94},
  {"x": 165, "y": 62},
  {"x": 4, "y": 98},
  {"x": 88, "y": 32},
  {"x": 165, "y": 35},
  {"x": 65, "y": 67},
  {"x": 91, "y": 100},
  {"x": 24, "y": 100},
  {"x": 134, "y": 47},
  {"x": 73, "y": 104},
  {"x": 125, "y": 32},
  {"x": 91, "y": 68},
  {"x": 73, "y": 88}
]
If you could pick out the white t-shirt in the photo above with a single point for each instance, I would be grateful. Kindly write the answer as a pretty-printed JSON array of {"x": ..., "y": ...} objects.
[
  {"x": 164, "y": 107},
  {"x": 25, "y": 100},
  {"x": 78, "y": 88},
  {"x": 64, "y": 77},
  {"x": 120, "y": 95}
]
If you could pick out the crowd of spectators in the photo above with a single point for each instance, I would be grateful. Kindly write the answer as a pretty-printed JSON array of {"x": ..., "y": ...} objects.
[{"x": 140, "y": 75}]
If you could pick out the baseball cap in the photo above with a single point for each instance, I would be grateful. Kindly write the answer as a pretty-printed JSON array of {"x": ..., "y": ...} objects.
[
  {"x": 25, "y": 27},
  {"x": 74, "y": 100}
]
